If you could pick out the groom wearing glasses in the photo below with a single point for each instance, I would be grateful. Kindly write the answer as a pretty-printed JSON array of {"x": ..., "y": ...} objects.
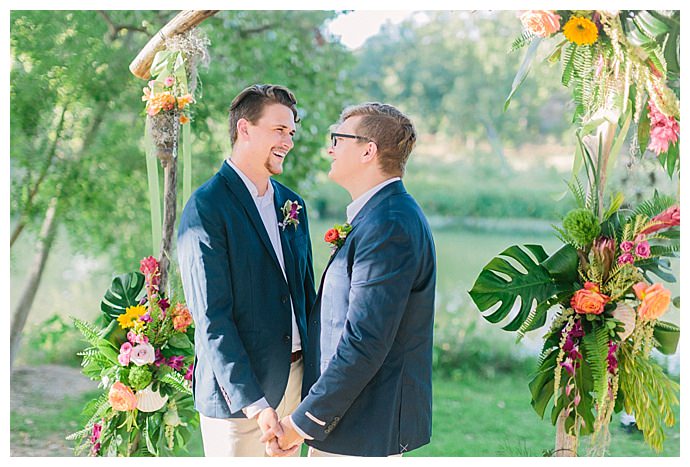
[
  {"x": 246, "y": 264},
  {"x": 370, "y": 336}
]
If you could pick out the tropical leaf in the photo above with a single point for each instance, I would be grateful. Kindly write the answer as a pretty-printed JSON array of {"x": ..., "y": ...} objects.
[
  {"x": 123, "y": 293},
  {"x": 523, "y": 71},
  {"x": 502, "y": 282},
  {"x": 666, "y": 336},
  {"x": 541, "y": 385},
  {"x": 522, "y": 40}
]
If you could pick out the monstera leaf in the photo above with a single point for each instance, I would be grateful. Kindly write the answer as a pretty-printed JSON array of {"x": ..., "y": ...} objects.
[
  {"x": 534, "y": 285},
  {"x": 123, "y": 292}
]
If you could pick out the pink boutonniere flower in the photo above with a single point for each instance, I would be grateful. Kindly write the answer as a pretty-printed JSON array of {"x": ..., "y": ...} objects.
[{"x": 290, "y": 214}]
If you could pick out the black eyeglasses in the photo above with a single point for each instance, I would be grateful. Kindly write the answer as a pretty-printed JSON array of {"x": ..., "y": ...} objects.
[{"x": 335, "y": 136}]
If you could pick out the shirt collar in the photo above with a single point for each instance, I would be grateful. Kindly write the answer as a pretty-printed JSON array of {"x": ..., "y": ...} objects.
[
  {"x": 250, "y": 185},
  {"x": 355, "y": 206}
]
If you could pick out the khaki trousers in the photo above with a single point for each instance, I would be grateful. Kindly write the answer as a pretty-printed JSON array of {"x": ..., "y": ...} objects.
[{"x": 239, "y": 437}]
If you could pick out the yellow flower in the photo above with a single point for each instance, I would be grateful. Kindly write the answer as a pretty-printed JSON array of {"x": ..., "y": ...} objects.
[
  {"x": 130, "y": 315},
  {"x": 581, "y": 31}
]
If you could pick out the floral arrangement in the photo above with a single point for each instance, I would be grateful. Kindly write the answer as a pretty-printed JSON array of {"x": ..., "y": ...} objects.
[
  {"x": 166, "y": 95},
  {"x": 143, "y": 359},
  {"x": 622, "y": 66},
  {"x": 596, "y": 354}
]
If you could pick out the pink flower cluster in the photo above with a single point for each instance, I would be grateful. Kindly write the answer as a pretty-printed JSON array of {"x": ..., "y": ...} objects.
[
  {"x": 570, "y": 347},
  {"x": 141, "y": 354},
  {"x": 541, "y": 23},
  {"x": 95, "y": 436},
  {"x": 664, "y": 130},
  {"x": 639, "y": 249},
  {"x": 149, "y": 268}
]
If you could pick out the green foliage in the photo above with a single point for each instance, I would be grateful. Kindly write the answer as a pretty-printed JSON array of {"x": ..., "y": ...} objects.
[
  {"x": 595, "y": 346},
  {"x": 139, "y": 377},
  {"x": 649, "y": 394},
  {"x": 581, "y": 227},
  {"x": 123, "y": 293},
  {"x": 502, "y": 282}
]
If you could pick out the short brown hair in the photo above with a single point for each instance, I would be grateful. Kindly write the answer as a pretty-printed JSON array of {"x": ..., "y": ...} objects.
[
  {"x": 391, "y": 130},
  {"x": 250, "y": 103}
]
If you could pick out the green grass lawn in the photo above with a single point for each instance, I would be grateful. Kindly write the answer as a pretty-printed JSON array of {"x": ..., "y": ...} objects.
[{"x": 473, "y": 416}]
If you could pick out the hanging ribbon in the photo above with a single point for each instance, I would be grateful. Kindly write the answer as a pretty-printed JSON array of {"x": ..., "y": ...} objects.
[{"x": 154, "y": 192}]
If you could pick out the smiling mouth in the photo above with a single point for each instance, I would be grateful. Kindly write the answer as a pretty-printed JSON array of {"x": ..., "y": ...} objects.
[{"x": 279, "y": 154}]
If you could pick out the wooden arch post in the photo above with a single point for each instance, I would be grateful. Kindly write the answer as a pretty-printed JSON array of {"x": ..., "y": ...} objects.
[{"x": 140, "y": 67}]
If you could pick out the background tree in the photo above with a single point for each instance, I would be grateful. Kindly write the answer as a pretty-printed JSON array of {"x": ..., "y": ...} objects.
[{"x": 77, "y": 126}]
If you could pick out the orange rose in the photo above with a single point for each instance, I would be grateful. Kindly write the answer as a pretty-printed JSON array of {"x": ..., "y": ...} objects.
[
  {"x": 122, "y": 398},
  {"x": 655, "y": 300},
  {"x": 331, "y": 236},
  {"x": 541, "y": 23},
  {"x": 181, "y": 317},
  {"x": 589, "y": 300}
]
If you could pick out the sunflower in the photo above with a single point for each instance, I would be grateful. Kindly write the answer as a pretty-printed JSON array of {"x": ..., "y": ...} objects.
[
  {"x": 130, "y": 315},
  {"x": 581, "y": 31}
]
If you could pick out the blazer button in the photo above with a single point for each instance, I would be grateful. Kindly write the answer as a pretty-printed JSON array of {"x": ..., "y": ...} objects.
[
  {"x": 287, "y": 338},
  {"x": 284, "y": 299}
]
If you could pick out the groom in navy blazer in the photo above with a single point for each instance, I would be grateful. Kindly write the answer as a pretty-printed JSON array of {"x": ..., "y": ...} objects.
[
  {"x": 370, "y": 336},
  {"x": 246, "y": 264}
]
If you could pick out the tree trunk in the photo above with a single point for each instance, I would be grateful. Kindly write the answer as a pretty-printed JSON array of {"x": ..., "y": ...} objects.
[
  {"x": 21, "y": 313},
  {"x": 566, "y": 445},
  {"x": 169, "y": 216},
  {"x": 183, "y": 22}
]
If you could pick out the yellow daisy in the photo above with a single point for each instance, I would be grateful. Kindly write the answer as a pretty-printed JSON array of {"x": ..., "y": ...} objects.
[
  {"x": 581, "y": 31},
  {"x": 130, "y": 315}
]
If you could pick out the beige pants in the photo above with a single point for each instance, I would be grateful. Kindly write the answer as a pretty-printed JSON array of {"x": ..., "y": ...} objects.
[
  {"x": 313, "y": 452},
  {"x": 239, "y": 437}
]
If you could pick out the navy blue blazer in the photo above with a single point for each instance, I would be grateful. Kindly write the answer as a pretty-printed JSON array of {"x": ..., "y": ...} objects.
[
  {"x": 371, "y": 345},
  {"x": 238, "y": 295}
]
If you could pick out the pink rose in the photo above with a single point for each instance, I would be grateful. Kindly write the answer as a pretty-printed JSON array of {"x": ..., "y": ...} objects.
[
  {"x": 123, "y": 359},
  {"x": 626, "y": 258},
  {"x": 643, "y": 250},
  {"x": 627, "y": 246},
  {"x": 169, "y": 81},
  {"x": 541, "y": 23},
  {"x": 131, "y": 336},
  {"x": 143, "y": 354}
]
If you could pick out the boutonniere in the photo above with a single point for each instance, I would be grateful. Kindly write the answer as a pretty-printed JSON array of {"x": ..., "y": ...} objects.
[
  {"x": 337, "y": 235},
  {"x": 290, "y": 214}
]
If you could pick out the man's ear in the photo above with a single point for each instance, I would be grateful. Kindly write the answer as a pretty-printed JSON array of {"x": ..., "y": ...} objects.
[
  {"x": 372, "y": 152},
  {"x": 242, "y": 128}
]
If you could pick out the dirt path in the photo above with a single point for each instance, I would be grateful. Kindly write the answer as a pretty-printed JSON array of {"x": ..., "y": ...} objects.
[{"x": 34, "y": 392}]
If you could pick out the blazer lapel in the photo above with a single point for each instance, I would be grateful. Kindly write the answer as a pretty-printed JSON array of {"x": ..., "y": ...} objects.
[
  {"x": 286, "y": 234},
  {"x": 237, "y": 187}
]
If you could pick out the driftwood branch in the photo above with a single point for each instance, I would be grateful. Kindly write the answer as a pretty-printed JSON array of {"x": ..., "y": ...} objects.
[{"x": 184, "y": 21}]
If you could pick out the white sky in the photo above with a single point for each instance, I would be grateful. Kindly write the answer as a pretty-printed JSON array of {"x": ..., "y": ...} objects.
[{"x": 355, "y": 27}]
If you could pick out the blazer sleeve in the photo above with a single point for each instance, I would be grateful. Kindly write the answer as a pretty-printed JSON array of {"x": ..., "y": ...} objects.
[
  {"x": 383, "y": 271},
  {"x": 206, "y": 279}
]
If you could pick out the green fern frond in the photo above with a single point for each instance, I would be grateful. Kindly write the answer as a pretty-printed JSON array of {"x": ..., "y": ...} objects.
[
  {"x": 655, "y": 205},
  {"x": 177, "y": 381},
  {"x": 596, "y": 346},
  {"x": 568, "y": 64},
  {"x": 524, "y": 39},
  {"x": 89, "y": 332},
  {"x": 79, "y": 434},
  {"x": 578, "y": 192}
]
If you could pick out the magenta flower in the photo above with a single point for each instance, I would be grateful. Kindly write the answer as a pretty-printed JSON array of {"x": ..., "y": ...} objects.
[
  {"x": 569, "y": 366},
  {"x": 96, "y": 432},
  {"x": 643, "y": 250},
  {"x": 176, "y": 362},
  {"x": 626, "y": 258},
  {"x": 664, "y": 130},
  {"x": 627, "y": 246},
  {"x": 164, "y": 304},
  {"x": 160, "y": 359},
  {"x": 611, "y": 358},
  {"x": 190, "y": 372},
  {"x": 576, "y": 401},
  {"x": 668, "y": 218}
]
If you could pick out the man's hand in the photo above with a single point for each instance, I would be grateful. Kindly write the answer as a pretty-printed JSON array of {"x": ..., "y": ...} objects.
[
  {"x": 290, "y": 438},
  {"x": 272, "y": 430}
]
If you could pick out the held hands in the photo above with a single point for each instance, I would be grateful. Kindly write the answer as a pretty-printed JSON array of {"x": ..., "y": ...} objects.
[{"x": 279, "y": 435}]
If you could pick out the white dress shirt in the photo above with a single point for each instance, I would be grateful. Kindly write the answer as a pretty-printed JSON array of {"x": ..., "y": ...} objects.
[
  {"x": 352, "y": 210},
  {"x": 267, "y": 211}
]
